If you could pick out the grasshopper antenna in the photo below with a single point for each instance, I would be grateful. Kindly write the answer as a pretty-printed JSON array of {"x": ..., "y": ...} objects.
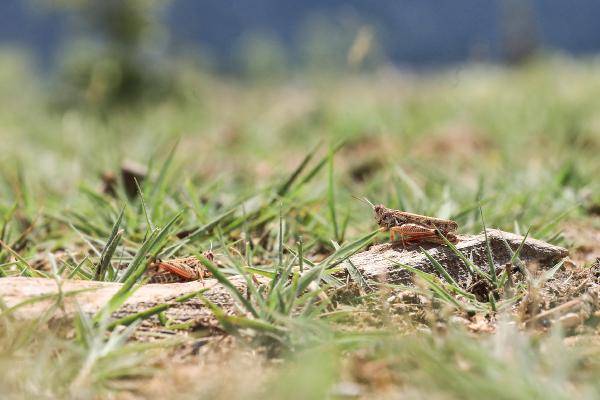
[{"x": 364, "y": 200}]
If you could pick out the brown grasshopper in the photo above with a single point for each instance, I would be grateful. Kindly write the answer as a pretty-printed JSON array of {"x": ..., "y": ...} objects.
[
  {"x": 178, "y": 270},
  {"x": 407, "y": 227}
]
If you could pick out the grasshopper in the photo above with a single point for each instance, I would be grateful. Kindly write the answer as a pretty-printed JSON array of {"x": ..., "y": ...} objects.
[
  {"x": 407, "y": 227},
  {"x": 178, "y": 270}
]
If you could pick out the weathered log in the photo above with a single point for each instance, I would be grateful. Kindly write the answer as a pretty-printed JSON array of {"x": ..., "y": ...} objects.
[
  {"x": 378, "y": 263},
  {"x": 91, "y": 296}
]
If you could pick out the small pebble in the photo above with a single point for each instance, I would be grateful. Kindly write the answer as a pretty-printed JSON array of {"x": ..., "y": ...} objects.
[{"x": 570, "y": 320}]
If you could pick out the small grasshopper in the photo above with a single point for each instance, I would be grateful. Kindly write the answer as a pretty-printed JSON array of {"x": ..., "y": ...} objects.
[
  {"x": 184, "y": 269},
  {"x": 407, "y": 227}
]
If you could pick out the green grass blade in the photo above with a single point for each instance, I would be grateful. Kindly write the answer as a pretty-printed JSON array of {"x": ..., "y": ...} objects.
[
  {"x": 150, "y": 227},
  {"x": 514, "y": 259},
  {"x": 284, "y": 188},
  {"x": 26, "y": 269},
  {"x": 442, "y": 271},
  {"x": 471, "y": 267},
  {"x": 210, "y": 226},
  {"x": 300, "y": 255},
  {"x": 353, "y": 271},
  {"x": 542, "y": 231},
  {"x": 348, "y": 250},
  {"x": 218, "y": 275},
  {"x": 78, "y": 270},
  {"x": 280, "y": 239},
  {"x": 109, "y": 249},
  {"x": 158, "y": 186},
  {"x": 116, "y": 301},
  {"x": 331, "y": 196},
  {"x": 135, "y": 271},
  {"x": 151, "y": 245},
  {"x": 431, "y": 281},
  {"x": 549, "y": 274},
  {"x": 488, "y": 252},
  {"x": 313, "y": 172},
  {"x": 515, "y": 255},
  {"x": 129, "y": 319}
]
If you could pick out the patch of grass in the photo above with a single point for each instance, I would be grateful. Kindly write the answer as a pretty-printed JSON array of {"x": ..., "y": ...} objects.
[{"x": 259, "y": 187}]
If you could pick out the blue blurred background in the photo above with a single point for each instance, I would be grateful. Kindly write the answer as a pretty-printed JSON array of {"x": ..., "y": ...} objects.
[{"x": 414, "y": 33}]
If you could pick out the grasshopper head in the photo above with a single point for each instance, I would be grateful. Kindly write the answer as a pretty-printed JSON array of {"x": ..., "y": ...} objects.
[
  {"x": 380, "y": 212},
  {"x": 379, "y": 209}
]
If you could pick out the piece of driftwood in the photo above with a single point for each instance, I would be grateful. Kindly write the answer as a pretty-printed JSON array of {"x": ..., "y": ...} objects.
[
  {"x": 90, "y": 297},
  {"x": 382, "y": 262}
]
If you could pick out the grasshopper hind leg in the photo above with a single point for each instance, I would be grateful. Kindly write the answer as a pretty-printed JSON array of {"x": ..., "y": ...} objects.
[{"x": 412, "y": 233}]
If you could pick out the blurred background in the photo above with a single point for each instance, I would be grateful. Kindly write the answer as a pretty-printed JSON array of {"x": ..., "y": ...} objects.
[
  {"x": 404, "y": 32},
  {"x": 270, "y": 38},
  {"x": 102, "y": 52},
  {"x": 454, "y": 93}
]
